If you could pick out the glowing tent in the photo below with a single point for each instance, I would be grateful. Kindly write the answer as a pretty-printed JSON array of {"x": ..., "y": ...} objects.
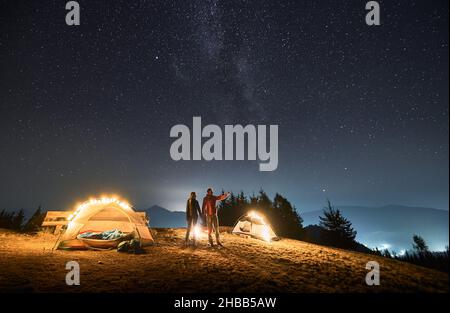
[
  {"x": 254, "y": 225},
  {"x": 98, "y": 215}
]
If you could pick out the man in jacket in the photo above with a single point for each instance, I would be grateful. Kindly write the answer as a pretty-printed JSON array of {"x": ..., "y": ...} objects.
[
  {"x": 210, "y": 212},
  {"x": 192, "y": 212}
]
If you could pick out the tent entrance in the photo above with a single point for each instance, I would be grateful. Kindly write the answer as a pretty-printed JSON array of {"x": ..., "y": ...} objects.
[{"x": 255, "y": 226}]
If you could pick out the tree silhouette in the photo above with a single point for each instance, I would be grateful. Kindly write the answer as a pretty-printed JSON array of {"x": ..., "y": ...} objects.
[
  {"x": 17, "y": 220},
  {"x": 263, "y": 201},
  {"x": 337, "y": 224},
  {"x": 419, "y": 244},
  {"x": 422, "y": 256},
  {"x": 35, "y": 221},
  {"x": 287, "y": 219},
  {"x": 6, "y": 219},
  {"x": 232, "y": 208}
]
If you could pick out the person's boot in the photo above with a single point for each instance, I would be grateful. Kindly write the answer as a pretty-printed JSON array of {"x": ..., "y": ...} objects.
[
  {"x": 211, "y": 243},
  {"x": 218, "y": 241},
  {"x": 186, "y": 240}
]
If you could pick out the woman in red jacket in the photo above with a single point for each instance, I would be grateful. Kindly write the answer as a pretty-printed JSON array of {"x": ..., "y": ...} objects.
[{"x": 210, "y": 212}]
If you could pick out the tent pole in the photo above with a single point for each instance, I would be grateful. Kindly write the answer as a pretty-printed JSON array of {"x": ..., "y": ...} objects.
[{"x": 57, "y": 240}]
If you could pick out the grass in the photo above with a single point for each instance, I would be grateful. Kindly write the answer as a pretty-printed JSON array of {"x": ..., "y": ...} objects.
[{"x": 243, "y": 265}]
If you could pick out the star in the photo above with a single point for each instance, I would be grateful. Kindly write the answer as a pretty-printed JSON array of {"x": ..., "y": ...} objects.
[{"x": 111, "y": 93}]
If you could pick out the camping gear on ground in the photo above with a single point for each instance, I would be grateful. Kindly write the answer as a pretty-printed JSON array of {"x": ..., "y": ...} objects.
[
  {"x": 130, "y": 246},
  {"x": 104, "y": 240},
  {"x": 72, "y": 244},
  {"x": 101, "y": 215},
  {"x": 254, "y": 225},
  {"x": 106, "y": 235}
]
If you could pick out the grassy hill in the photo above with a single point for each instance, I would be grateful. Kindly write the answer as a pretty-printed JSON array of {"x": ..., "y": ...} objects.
[{"x": 243, "y": 265}]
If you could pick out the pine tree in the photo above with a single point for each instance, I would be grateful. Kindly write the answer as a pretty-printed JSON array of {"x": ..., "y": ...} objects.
[
  {"x": 231, "y": 209},
  {"x": 289, "y": 222},
  {"x": 419, "y": 244},
  {"x": 17, "y": 220},
  {"x": 264, "y": 202},
  {"x": 5, "y": 219},
  {"x": 35, "y": 221},
  {"x": 334, "y": 222},
  {"x": 253, "y": 200},
  {"x": 265, "y": 206},
  {"x": 387, "y": 254}
]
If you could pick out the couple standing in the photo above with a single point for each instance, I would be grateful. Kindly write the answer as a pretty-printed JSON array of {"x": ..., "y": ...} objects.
[{"x": 208, "y": 211}]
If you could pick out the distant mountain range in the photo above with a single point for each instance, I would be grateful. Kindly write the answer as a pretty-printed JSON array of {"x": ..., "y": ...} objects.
[
  {"x": 161, "y": 217},
  {"x": 393, "y": 226},
  {"x": 388, "y": 227}
]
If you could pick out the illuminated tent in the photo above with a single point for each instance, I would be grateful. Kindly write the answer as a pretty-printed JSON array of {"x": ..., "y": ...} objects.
[
  {"x": 254, "y": 225},
  {"x": 98, "y": 215}
]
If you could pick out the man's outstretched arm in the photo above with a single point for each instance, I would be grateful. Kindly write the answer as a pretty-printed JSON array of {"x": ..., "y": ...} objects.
[{"x": 223, "y": 197}]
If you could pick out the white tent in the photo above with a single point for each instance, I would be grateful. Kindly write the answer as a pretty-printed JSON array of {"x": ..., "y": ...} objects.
[
  {"x": 254, "y": 225},
  {"x": 98, "y": 215}
]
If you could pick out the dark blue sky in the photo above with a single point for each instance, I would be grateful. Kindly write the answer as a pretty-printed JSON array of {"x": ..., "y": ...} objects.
[{"x": 362, "y": 111}]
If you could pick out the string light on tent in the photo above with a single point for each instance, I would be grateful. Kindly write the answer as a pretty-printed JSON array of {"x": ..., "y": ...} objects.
[{"x": 102, "y": 200}]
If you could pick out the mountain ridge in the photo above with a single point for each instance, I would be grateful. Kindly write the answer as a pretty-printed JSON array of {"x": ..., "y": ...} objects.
[{"x": 392, "y": 226}]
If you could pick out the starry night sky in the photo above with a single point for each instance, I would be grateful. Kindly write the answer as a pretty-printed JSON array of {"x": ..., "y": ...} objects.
[{"x": 362, "y": 111}]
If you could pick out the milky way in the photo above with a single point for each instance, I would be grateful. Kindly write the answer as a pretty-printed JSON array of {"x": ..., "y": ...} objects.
[{"x": 362, "y": 111}]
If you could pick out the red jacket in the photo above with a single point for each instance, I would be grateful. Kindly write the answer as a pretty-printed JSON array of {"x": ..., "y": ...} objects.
[{"x": 209, "y": 204}]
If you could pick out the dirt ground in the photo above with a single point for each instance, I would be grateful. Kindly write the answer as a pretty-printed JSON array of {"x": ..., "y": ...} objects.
[{"x": 28, "y": 264}]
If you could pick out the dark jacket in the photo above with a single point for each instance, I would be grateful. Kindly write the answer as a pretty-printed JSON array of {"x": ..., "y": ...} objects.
[{"x": 192, "y": 208}]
